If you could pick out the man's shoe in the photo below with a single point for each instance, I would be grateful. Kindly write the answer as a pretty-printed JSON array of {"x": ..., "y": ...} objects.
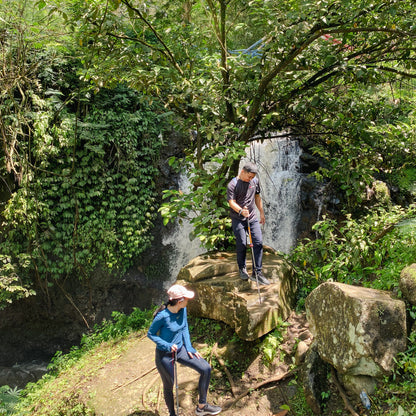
[
  {"x": 260, "y": 277},
  {"x": 208, "y": 409},
  {"x": 244, "y": 274}
]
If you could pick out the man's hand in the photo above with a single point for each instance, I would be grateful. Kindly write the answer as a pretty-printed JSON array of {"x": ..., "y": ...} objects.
[{"x": 245, "y": 212}]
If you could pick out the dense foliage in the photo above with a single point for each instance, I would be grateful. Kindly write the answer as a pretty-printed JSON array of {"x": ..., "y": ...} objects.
[
  {"x": 84, "y": 164},
  {"x": 370, "y": 251},
  {"x": 88, "y": 88},
  {"x": 231, "y": 70}
]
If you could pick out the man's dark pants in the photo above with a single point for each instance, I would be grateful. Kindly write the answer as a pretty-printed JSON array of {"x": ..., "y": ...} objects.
[{"x": 240, "y": 230}]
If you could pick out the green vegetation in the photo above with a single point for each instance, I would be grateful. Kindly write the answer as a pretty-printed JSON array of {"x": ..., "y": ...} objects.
[
  {"x": 334, "y": 73},
  {"x": 370, "y": 250},
  {"x": 93, "y": 86},
  {"x": 399, "y": 390},
  {"x": 220, "y": 338},
  {"x": 90, "y": 89},
  {"x": 8, "y": 399},
  {"x": 120, "y": 326},
  {"x": 271, "y": 344},
  {"x": 81, "y": 165},
  {"x": 56, "y": 393}
]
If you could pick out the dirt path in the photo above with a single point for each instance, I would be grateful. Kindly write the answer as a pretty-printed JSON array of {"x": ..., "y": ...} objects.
[{"x": 130, "y": 384}]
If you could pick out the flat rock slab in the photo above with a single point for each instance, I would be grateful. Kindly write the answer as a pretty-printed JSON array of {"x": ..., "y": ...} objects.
[{"x": 223, "y": 296}]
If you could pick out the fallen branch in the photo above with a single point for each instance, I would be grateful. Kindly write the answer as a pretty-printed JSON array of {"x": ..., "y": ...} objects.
[
  {"x": 135, "y": 379},
  {"x": 148, "y": 387},
  {"x": 159, "y": 398},
  {"x": 274, "y": 379},
  {"x": 227, "y": 372},
  {"x": 342, "y": 393}
]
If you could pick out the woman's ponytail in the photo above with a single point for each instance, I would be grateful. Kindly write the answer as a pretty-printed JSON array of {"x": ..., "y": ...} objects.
[{"x": 171, "y": 302}]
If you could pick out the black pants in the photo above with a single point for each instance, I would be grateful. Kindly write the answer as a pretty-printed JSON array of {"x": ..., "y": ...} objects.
[
  {"x": 165, "y": 365},
  {"x": 240, "y": 229}
]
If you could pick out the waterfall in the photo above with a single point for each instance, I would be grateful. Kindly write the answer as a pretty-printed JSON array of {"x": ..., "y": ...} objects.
[
  {"x": 278, "y": 161},
  {"x": 182, "y": 246}
]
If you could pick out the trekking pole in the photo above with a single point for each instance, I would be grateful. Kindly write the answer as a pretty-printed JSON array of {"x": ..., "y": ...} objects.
[
  {"x": 176, "y": 381},
  {"x": 252, "y": 257}
]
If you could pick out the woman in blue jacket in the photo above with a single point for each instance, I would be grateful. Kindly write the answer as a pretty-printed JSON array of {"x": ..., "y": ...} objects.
[{"x": 169, "y": 330}]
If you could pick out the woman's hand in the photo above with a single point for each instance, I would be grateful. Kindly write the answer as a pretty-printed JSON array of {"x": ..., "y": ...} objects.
[
  {"x": 174, "y": 348},
  {"x": 195, "y": 354}
]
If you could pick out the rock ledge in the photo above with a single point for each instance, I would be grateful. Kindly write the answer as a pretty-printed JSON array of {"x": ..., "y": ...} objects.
[{"x": 223, "y": 296}]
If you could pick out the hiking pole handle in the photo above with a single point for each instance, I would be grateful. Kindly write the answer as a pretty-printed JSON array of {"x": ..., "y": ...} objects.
[
  {"x": 241, "y": 212},
  {"x": 249, "y": 233}
]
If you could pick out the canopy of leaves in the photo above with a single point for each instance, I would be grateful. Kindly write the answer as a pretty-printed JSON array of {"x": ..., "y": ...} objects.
[
  {"x": 232, "y": 70},
  {"x": 318, "y": 70}
]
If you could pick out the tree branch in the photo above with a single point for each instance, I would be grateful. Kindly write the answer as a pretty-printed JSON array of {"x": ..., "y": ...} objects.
[
  {"x": 342, "y": 393},
  {"x": 168, "y": 52},
  {"x": 274, "y": 379}
]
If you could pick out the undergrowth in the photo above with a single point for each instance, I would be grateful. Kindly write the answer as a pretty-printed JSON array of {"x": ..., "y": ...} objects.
[
  {"x": 398, "y": 392},
  {"x": 369, "y": 251},
  {"x": 217, "y": 336},
  {"x": 270, "y": 346},
  {"x": 8, "y": 399},
  {"x": 53, "y": 396}
]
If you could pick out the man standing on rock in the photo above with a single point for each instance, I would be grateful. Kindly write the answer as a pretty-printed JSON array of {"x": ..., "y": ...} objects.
[{"x": 243, "y": 196}]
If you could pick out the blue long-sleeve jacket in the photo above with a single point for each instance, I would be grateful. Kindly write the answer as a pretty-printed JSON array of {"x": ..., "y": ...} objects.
[{"x": 170, "y": 328}]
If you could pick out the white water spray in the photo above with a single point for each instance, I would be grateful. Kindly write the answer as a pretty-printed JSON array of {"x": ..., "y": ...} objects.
[
  {"x": 183, "y": 247},
  {"x": 278, "y": 161}
]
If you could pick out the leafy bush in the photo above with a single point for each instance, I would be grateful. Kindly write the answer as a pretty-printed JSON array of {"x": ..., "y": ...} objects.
[
  {"x": 88, "y": 199},
  {"x": 120, "y": 325},
  {"x": 8, "y": 399},
  {"x": 206, "y": 205},
  {"x": 270, "y": 346},
  {"x": 370, "y": 250},
  {"x": 399, "y": 390}
]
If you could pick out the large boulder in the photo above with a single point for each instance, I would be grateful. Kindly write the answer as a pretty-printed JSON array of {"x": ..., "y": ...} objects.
[
  {"x": 407, "y": 283},
  {"x": 357, "y": 330},
  {"x": 223, "y": 296}
]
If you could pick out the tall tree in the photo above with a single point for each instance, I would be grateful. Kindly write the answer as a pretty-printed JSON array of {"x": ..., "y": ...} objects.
[{"x": 235, "y": 69}]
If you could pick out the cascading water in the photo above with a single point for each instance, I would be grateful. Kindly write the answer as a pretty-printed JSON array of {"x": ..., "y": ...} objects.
[
  {"x": 278, "y": 161},
  {"x": 183, "y": 247}
]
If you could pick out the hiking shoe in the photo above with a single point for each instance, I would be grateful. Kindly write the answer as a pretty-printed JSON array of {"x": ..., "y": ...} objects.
[
  {"x": 208, "y": 409},
  {"x": 243, "y": 274},
  {"x": 261, "y": 278}
]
